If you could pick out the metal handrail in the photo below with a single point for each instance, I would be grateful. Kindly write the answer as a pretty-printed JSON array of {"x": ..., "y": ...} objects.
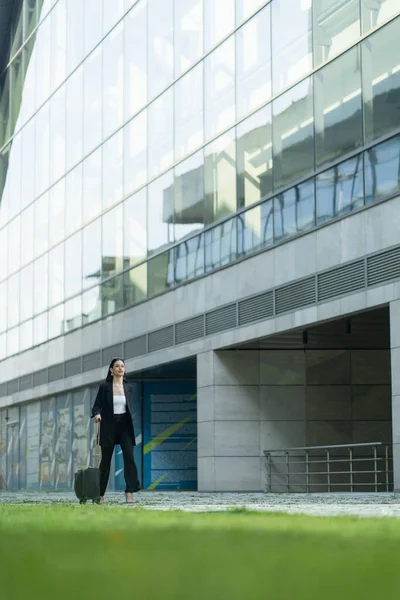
[{"x": 381, "y": 474}]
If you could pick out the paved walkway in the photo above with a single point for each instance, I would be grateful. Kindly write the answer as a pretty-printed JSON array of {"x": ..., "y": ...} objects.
[{"x": 363, "y": 505}]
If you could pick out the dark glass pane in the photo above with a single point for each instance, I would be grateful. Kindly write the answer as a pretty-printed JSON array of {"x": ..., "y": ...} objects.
[
  {"x": 294, "y": 210},
  {"x": 221, "y": 245},
  {"x": 256, "y": 228},
  {"x": 161, "y": 273},
  {"x": 135, "y": 285},
  {"x": 189, "y": 259},
  {"x": 341, "y": 189},
  {"x": 382, "y": 170}
]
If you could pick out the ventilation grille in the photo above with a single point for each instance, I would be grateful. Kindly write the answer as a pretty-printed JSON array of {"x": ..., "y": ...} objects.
[
  {"x": 135, "y": 347},
  {"x": 383, "y": 267},
  {"x": 294, "y": 296},
  {"x": 12, "y": 387},
  {"x": 192, "y": 329},
  {"x": 91, "y": 361},
  {"x": 221, "y": 319},
  {"x": 110, "y": 353},
  {"x": 341, "y": 281},
  {"x": 163, "y": 338},
  {"x": 25, "y": 382},
  {"x": 56, "y": 372},
  {"x": 255, "y": 309},
  {"x": 40, "y": 377},
  {"x": 73, "y": 367}
]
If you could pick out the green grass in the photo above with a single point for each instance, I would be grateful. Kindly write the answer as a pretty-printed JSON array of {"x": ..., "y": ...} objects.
[{"x": 116, "y": 553}]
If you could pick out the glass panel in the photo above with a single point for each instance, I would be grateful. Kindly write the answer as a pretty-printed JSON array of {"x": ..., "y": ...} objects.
[
  {"x": 245, "y": 8},
  {"x": 220, "y": 88},
  {"x": 3, "y": 305},
  {"x": 5, "y": 121},
  {"x": 93, "y": 23},
  {"x": 26, "y": 293},
  {"x": 30, "y": 17},
  {"x": 73, "y": 260},
  {"x": 73, "y": 204},
  {"x": 43, "y": 55},
  {"x": 13, "y": 341},
  {"x": 112, "y": 12},
  {"x": 336, "y": 26},
  {"x": 14, "y": 245},
  {"x": 92, "y": 178},
  {"x": 294, "y": 210},
  {"x": 58, "y": 43},
  {"x": 47, "y": 442},
  {"x": 254, "y": 158},
  {"x": 40, "y": 329},
  {"x": 28, "y": 164},
  {"x": 112, "y": 242},
  {"x": 220, "y": 177},
  {"x": 40, "y": 285},
  {"x": 15, "y": 176},
  {"x": 41, "y": 224},
  {"x": 161, "y": 273},
  {"x": 63, "y": 473},
  {"x": 135, "y": 55},
  {"x": 189, "y": 112},
  {"x": 3, "y": 253},
  {"x": 42, "y": 154},
  {"x": 27, "y": 235},
  {"x": 135, "y": 228},
  {"x": 375, "y": 12},
  {"x": 75, "y": 26},
  {"x": 13, "y": 301},
  {"x": 74, "y": 118},
  {"x": 291, "y": 42},
  {"x": 91, "y": 305},
  {"x": 161, "y": 133},
  {"x": 160, "y": 228},
  {"x": 221, "y": 245},
  {"x": 26, "y": 335},
  {"x": 135, "y": 285},
  {"x": 32, "y": 442},
  {"x": 57, "y": 212},
  {"x": 92, "y": 254},
  {"x": 189, "y": 259},
  {"x": 160, "y": 45},
  {"x": 293, "y": 134},
  {"x": 3, "y": 354},
  {"x": 382, "y": 170},
  {"x": 253, "y": 63},
  {"x": 56, "y": 321},
  {"x": 188, "y": 33},
  {"x": 255, "y": 228},
  {"x": 4, "y": 184},
  {"x": 16, "y": 86},
  {"x": 56, "y": 275},
  {"x": 81, "y": 429},
  {"x": 113, "y": 170},
  {"x": 92, "y": 106},
  {"x": 338, "y": 112},
  {"x": 113, "y": 80},
  {"x": 28, "y": 105},
  {"x": 189, "y": 196},
  {"x": 112, "y": 295},
  {"x": 58, "y": 135},
  {"x": 340, "y": 190},
  {"x": 135, "y": 153},
  {"x": 219, "y": 20},
  {"x": 73, "y": 314},
  {"x": 381, "y": 82}
]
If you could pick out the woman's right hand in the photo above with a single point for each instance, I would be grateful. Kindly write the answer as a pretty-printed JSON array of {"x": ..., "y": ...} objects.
[{"x": 97, "y": 418}]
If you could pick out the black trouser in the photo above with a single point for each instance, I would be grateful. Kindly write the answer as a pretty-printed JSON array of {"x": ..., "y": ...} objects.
[{"x": 123, "y": 437}]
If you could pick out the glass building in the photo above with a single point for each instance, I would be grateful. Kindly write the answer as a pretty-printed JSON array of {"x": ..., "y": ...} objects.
[{"x": 150, "y": 148}]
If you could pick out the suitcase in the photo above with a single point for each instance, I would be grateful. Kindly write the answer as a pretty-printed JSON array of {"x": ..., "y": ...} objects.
[{"x": 87, "y": 481}]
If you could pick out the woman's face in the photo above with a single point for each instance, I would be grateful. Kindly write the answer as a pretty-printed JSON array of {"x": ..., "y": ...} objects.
[{"x": 118, "y": 369}]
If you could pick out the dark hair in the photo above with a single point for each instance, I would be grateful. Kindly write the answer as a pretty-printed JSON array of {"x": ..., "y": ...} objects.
[{"x": 112, "y": 363}]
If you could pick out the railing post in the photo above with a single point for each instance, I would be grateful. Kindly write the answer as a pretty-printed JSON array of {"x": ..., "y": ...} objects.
[
  {"x": 387, "y": 466},
  {"x": 288, "y": 471},
  {"x": 328, "y": 469},
  {"x": 307, "y": 474},
  {"x": 375, "y": 469},
  {"x": 351, "y": 470}
]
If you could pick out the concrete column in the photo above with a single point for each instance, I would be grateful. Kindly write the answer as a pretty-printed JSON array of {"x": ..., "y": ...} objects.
[{"x": 395, "y": 368}]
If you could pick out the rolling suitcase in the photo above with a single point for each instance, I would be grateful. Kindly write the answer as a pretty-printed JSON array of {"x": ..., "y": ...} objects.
[{"x": 87, "y": 481}]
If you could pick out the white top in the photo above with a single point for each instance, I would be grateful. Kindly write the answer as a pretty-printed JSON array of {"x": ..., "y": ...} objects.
[{"x": 119, "y": 405}]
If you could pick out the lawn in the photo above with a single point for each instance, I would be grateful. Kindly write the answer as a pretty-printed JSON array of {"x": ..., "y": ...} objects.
[{"x": 113, "y": 553}]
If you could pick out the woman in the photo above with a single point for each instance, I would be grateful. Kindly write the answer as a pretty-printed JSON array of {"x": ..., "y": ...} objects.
[{"x": 112, "y": 408}]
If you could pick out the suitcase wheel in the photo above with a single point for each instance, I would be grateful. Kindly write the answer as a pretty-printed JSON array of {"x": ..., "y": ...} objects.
[{"x": 82, "y": 501}]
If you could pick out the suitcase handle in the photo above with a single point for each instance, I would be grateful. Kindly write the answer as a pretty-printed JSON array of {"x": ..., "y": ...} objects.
[{"x": 97, "y": 452}]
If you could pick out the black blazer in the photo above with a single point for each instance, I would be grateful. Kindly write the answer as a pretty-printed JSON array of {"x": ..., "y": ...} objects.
[{"x": 104, "y": 406}]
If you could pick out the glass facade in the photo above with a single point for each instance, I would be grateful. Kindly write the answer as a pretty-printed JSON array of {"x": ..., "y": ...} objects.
[{"x": 145, "y": 143}]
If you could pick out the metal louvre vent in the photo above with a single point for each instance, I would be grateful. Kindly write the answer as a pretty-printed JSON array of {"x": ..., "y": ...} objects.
[
  {"x": 40, "y": 377},
  {"x": 25, "y": 382},
  {"x": 295, "y": 295},
  {"x": 191, "y": 329},
  {"x": 12, "y": 387},
  {"x": 341, "y": 281},
  {"x": 383, "y": 267},
  {"x": 110, "y": 353},
  {"x": 135, "y": 347},
  {"x": 73, "y": 367},
  {"x": 257, "y": 308},
  {"x": 91, "y": 361},
  {"x": 221, "y": 319},
  {"x": 163, "y": 338},
  {"x": 56, "y": 372}
]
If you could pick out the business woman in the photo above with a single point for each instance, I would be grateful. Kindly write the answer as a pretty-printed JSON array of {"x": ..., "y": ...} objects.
[{"x": 113, "y": 408}]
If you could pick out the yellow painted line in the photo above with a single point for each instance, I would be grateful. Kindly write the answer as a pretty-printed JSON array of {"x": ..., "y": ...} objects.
[
  {"x": 157, "y": 481},
  {"x": 159, "y": 439}
]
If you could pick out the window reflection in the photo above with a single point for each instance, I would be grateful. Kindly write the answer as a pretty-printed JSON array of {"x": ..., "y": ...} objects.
[
  {"x": 43, "y": 55},
  {"x": 41, "y": 239},
  {"x": 3, "y": 305},
  {"x": 28, "y": 164},
  {"x": 293, "y": 134},
  {"x": 220, "y": 245},
  {"x": 92, "y": 254},
  {"x": 75, "y": 26},
  {"x": 27, "y": 235},
  {"x": 42, "y": 143},
  {"x": 377, "y": 12},
  {"x": 112, "y": 171},
  {"x": 112, "y": 242},
  {"x": 93, "y": 18},
  {"x": 15, "y": 176},
  {"x": 336, "y": 26},
  {"x": 28, "y": 104},
  {"x": 92, "y": 177},
  {"x": 3, "y": 253},
  {"x": 381, "y": 85},
  {"x": 220, "y": 177},
  {"x": 161, "y": 133},
  {"x": 13, "y": 300},
  {"x": 113, "y": 80},
  {"x": 14, "y": 245},
  {"x": 56, "y": 321},
  {"x": 254, "y": 157},
  {"x": 338, "y": 113},
  {"x": 245, "y": 8},
  {"x": 160, "y": 45},
  {"x": 73, "y": 314},
  {"x": 135, "y": 153},
  {"x": 112, "y": 12},
  {"x": 188, "y": 113},
  {"x": 161, "y": 273},
  {"x": 63, "y": 471},
  {"x": 135, "y": 57},
  {"x": 219, "y": 20},
  {"x": 26, "y": 336},
  {"x": 58, "y": 43},
  {"x": 188, "y": 33},
  {"x": 253, "y": 63},
  {"x": 40, "y": 284},
  {"x": 56, "y": 275},
  {"x": 26, "y": 294},
  {"x": 57, "y": 212},
  {"x": 294, "y": 210},
  {"x": 91, "y": 305},
  {"x": 3, "y": 346},
  {"x": 189, "y": 196},
  {"x": 189, "y": 259},
  {"x": 73, "y": 204},
  {"x": 13, "y": 341},
  {"x": 220, "y": 88},
  {"x": 92, "y": 106},
  {"x": 160, "y": 228},
  {"x": 382, "y": 170},
  {"x": 135, "y": 228},
  {"x": 74, "y": 118},
  {"x": 73, "y": 260},
  {"x": 135, "y": 285},
  {"x": 340, "y": 189},
  {"x": 40, "y": 333},
  {"x": 112, "y": 295}
]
